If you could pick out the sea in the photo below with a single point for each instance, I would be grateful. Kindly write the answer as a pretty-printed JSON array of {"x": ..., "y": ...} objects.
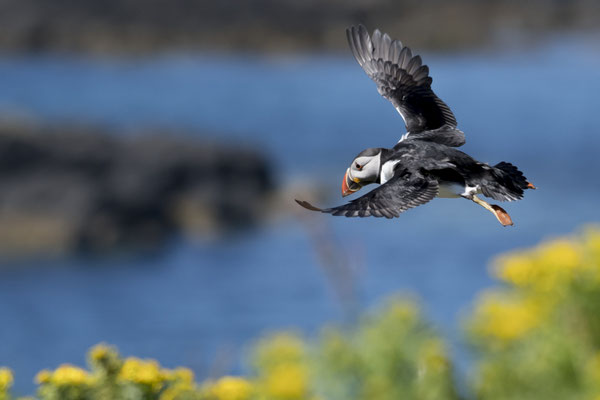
[{"x": 202, "y": 302}]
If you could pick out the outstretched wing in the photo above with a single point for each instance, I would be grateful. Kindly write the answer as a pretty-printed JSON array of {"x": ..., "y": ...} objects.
[
  {"x": 388, "y": 200},
  {"x": 402, "y": 79}
]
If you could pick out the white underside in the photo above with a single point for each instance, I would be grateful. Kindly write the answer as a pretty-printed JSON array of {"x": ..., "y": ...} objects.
[
  {"x": 387, "y": 171},
  {"x": 451, "y": 190},
  {"x": 448, "y": 190}
]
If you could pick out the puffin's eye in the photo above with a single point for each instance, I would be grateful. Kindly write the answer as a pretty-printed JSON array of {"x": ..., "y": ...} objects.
[{"x": 358, "y": 166}]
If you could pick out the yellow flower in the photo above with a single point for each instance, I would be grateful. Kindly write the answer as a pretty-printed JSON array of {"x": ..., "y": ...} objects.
[
  {"x": 517, "y": 268},
  {"x": 44, "y": 376},
  {"x": 547, "y": 268},
  {"x": 178, "y": 374},
  {"x": 280, "y": 361},
  {"x": 145, "y": 372},
  {"x": 67, "y": 374},
  {"x": 403, "y": 309},
  {"x": 100, "y": 351},
  {"x": 559, "y": 262},
  {"x": 184, "y": 374},
  {"x": 505, "y": 318},
  {"x": 6, "y": 378},
  {"x": 231, "y": 388},
  {"x": 287, "y": 381},
  {"x": 279, "y": 348}
]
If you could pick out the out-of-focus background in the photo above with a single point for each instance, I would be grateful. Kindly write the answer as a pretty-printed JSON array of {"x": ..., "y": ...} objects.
[{"x": 150, "y": 152}]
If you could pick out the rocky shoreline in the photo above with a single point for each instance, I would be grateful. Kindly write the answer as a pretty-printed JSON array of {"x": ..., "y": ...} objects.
[
  {"x": 142, "y": 26},
  {"x": 66, "y": 189}
]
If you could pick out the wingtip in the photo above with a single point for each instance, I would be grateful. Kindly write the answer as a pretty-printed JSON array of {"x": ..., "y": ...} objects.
[
  {"x": 307, "y": 205},
  {"x": 355, "y": 28}
]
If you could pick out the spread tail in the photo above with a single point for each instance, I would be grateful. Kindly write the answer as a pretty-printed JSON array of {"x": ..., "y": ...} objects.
[{"x": 507, "y": 183}]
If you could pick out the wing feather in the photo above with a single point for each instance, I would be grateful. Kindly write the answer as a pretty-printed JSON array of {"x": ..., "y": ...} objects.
[
  {"x": 401, "y": 78},
  {"x": 388, "y": 200}
]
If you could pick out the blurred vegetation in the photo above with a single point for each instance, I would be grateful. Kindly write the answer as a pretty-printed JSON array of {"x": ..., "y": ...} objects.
[
  {"x": 538, "y": 337},
  {"x": 393, "y": 354},
  {"x": 535, "y": 337}
]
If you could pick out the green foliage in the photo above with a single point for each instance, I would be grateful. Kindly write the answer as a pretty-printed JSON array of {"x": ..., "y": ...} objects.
[
  {"x": 392, "y": 354},
  {"x": 537, "y": 337}
]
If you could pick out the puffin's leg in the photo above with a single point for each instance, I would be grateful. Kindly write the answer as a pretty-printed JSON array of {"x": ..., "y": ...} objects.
[{"x": 498, "y": 211}]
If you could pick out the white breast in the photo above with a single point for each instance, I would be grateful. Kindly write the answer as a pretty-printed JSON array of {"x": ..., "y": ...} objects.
[
  {"x": 452, "y": 190},
  {"x": 387, "y": 170}
]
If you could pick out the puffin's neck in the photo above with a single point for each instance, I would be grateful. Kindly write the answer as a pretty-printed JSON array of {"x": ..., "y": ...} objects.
[{"x": 384, "y": 156}]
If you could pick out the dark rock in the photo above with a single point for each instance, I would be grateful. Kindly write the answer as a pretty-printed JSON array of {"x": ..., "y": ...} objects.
[{"x": 70, "y": 189}]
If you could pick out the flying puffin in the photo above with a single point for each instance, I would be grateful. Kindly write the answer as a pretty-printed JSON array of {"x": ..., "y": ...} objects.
[{"x": 425, "y": 163}]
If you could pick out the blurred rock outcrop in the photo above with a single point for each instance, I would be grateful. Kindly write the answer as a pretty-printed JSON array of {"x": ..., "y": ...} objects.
[
  {"x": 275, "y": 25},
  {"x": 74, "y": 189}
]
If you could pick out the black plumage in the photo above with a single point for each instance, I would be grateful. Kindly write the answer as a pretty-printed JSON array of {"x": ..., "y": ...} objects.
[
  {"x": 420, "y": 168},
  {"x": 403, "y": 80},
  {"x": 425, "y": 163},
  {"x": 406, "y": 190}
]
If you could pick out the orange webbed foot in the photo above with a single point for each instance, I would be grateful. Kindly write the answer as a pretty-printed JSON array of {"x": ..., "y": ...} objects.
[{"x": 502, "y": 215}]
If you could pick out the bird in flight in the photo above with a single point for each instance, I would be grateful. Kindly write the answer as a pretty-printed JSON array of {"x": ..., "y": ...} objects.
[{"x": 425, "y": 163}]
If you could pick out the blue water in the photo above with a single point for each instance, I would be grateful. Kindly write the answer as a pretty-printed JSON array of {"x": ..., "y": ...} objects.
[{"x": 199, "y": 303}]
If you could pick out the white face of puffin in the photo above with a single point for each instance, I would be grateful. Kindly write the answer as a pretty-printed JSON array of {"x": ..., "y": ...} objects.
[{"x": 365, "y": 169}]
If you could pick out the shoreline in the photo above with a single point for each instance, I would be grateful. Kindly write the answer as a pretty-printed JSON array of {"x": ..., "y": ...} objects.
[{"x": 141, "y": 27}]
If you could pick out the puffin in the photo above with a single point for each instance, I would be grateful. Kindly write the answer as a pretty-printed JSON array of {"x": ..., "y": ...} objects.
[{"x": 425, "y": 163}]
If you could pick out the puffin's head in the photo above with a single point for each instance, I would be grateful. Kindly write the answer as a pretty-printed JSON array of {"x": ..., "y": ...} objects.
[{"x": 365, "y": 169}]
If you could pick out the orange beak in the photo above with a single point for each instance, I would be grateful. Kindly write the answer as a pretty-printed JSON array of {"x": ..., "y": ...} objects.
[{"x": 348, "y": 187}]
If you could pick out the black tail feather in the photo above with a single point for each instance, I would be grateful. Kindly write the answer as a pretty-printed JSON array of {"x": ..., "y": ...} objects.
[
  {"x": 516, "y": 176},
  {"x": 509, "y": 183}
]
